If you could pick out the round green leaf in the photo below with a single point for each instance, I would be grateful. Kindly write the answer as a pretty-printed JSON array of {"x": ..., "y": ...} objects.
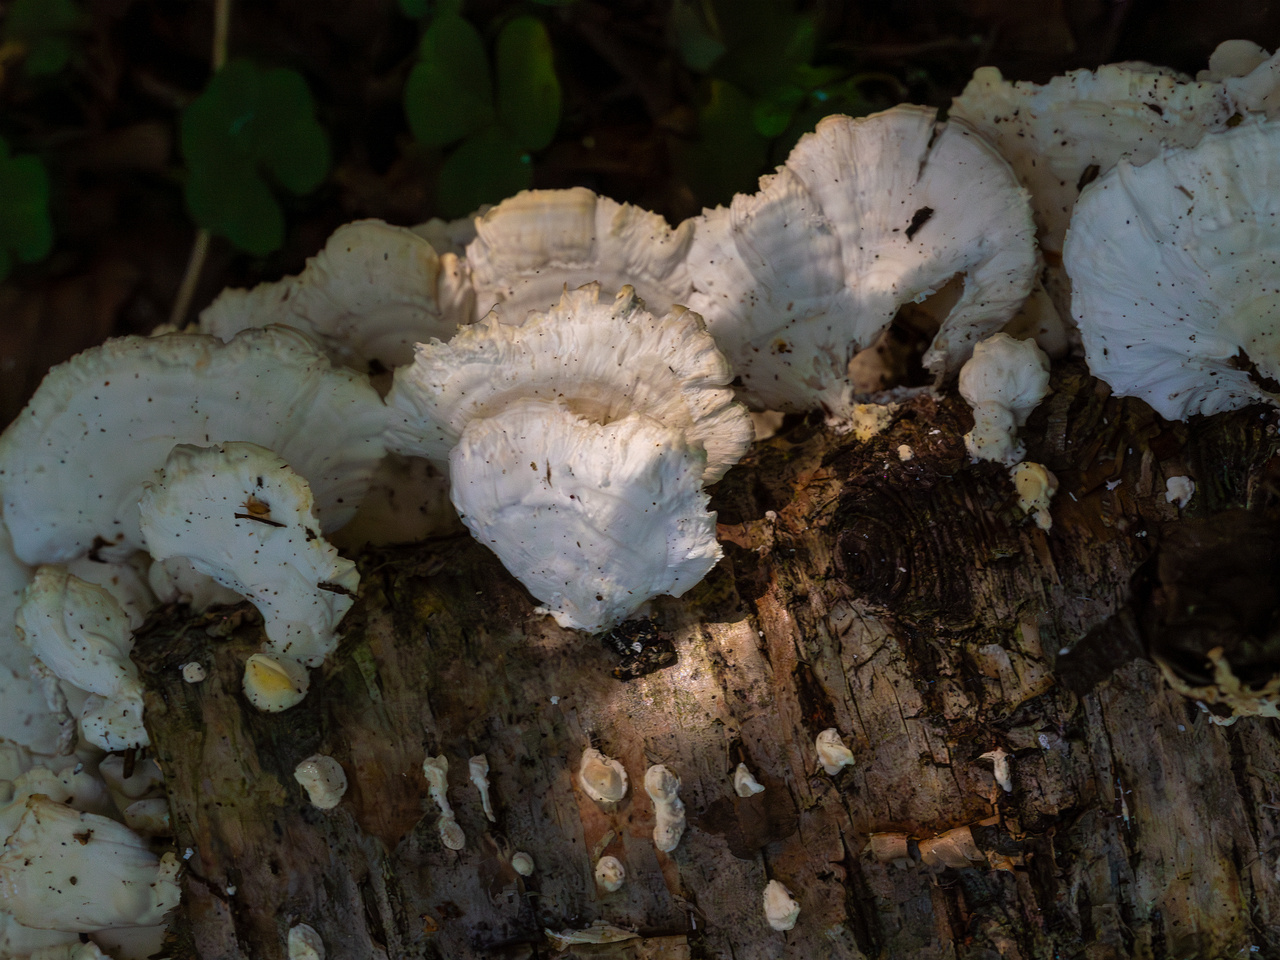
[
  {"x": 528, "y": 90},
  {"x": 487, "y": 167},
  {"x": 771, "y": 114},
  {"x": 25, "y": 228},
  {"x": 290, "y": 144},
  {"x": 449, "y": 93},
  {"x": 232, "y": 200}
]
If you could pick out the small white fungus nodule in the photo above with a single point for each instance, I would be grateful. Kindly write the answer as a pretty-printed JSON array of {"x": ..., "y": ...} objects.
[
  {"x": 663, "y": 788},
  {"x": 193, "y": 672},
  {"x": 602, "y": 778},
  {"x": 1179, "y": 490},
  {"x": 324, "y": 780},
  {"x": 1000, "y": 761},
  {"x": 305, "y": 943},
  {"x": 436, "y": 770},
  {"x": 780, "y": 910},
  {"x": 1035, "y": 485},
  {"x": 833, "y": 753},
  {"x": 478, "y": 767},
  {"x": 744, "y": 784},
  {"x": 1003, "y": 381},
  {"x": 610, "y": 874},
  {"x": 522, "y": 863}
]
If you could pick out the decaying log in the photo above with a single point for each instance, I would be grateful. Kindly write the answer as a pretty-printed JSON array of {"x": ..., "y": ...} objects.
[{"x": 904, "y": 601}]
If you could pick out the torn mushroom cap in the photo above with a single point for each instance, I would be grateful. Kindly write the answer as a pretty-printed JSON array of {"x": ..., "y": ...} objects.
[
  {"x": 78, "y": 871},
  {"x": 242, "y": 516},
  {"x": 833, "y": 754},
  {"x": 610, "y": 874},
  {"x": 663, "y": 788},
  {"x": 866, "y": 215},
  {"x": 602, "y": 778},
  {"x": 1175, "y": 271},
  {"x": 780, "y": 910},
  {"x": 744, "y": 783},
  {"x": 1003, "y": 381},
  {"x": 372, "y": 293},
  {"x": 324, "y": 780},
  {"x": 593, "y": 519},
  {"x": 603, "y": 361},
  {"x": 81, "y": 633},
  {"x": 530, "y": 247},
  {"x": 61, "y": 467}
]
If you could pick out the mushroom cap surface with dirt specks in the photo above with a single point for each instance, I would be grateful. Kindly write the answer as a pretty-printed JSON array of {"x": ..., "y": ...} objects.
[
  {"x": 1175, "y": 271},
  {"x": 865, "y": 216}
]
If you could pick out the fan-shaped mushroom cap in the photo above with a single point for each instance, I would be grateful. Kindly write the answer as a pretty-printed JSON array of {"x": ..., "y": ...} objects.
[
  {"x": 367, "y": 297},
  {"x": 866, "y": 215},
  {"x": 602, "y": 361},
  {"x": 118, "y": 882},
  {"x": 240, "y": 515},
  {"x": 1175, "y": 268},
  {"x": 73, "y": 464},
  {"x": 529, "y": 248},
  {"x": 602, "y": 778},
  {"x": 593, "y": 519}
]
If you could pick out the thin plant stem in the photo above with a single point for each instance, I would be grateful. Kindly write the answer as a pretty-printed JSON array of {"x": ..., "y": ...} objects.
[{"x": 200, "y": 249}]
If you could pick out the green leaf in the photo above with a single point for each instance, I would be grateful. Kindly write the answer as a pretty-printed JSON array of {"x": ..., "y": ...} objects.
[
  {"x": 729, "y": 154},
  {"x": 25, "y": 228},
  {"x": 449, "y": 93},
  {"x": 45, "y": 28},
  {"x": 771, "y": 114},
  {"x": 487, "y": 167},
  {"x": 528, "y": 91},
  {"x": 250, "y": 124},
  {"x": 767, "y": 41},
  {"x": 698, "y": 46}
]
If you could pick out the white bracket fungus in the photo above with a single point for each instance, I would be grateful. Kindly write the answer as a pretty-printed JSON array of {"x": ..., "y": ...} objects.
[
  {"x": 242, "y": 517},
  {"x": 436, "y": 770},
  {"x": 663, "y": 788},
  {"x": 82, "y": 635},
  {"x": 324, "y": 780},
  {"x": 1035, "y": 485},
  {"x": 954, "y": 849},
  {"x": 1175, "y": 271},
  {"x": 780, "y": 910},
  {"x": 1003, "y": 381},
  {"x": 529, "y": 248},
  {"x": 522, "y": 863},
  {"x": 1002, "y": 767},
  {"x": 67, "y": 870},
  {"x": 744, "y": 784},
  {"x": 61, "y": 468},
  {"x": 580, "y": 443},
  {"x": 866, "y": 215},
  {"x": 602, "y": 778},
  {"x": 1179, "y": 490},
  {"x": 176, "y": 581},
  {"x": 833, "y": 753},
  {"x": 610, "y": 874},
  {"x": 478, "y": 767},
  {"x": 372, "y": 293},
  {"x": 305, "y": 943}
]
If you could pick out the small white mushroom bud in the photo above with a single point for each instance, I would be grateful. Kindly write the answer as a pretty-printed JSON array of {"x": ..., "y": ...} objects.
[
  {"x": 1003, "y": 381},
  {"x": 274, "y": 683},
  {"x": 479, "y": 767},
  {"x": 1000, "y": 760},
  {"x": 905, "y": 452},
  {"x": 305, "y": 943},
  {"x": 193, "y": 672},
  {"x": 663, "y": 788},
  {"x": 436, "y": 770},
  {"x": 602, "y": 778},
  {"x": 744, "y": 784},
  {"x": 832, "y": 752},
  {"x": 324, "y": 780},
  {"x": 610, "y": 874},
  {"x": 1035, "y": 485},
  {"x": 522, "y": 863},
  {"x": 779, "y": 909},
  {"x": 1179, "y": 490},
  {"x": 149, "y": 817}
]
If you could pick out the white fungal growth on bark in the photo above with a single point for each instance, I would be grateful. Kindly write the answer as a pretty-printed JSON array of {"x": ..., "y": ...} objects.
[
  {"x": 193, "y": 672},
  {"x": 610, "y": 874},
  {"x": 522, "y": 863},
  {"x": 602, "y": 778},
  {"x": 663, "y": 788},
  {"x": 479, "y": 769},
  {"x": 436, "y": 770},
  {"x": 833, "y": 754},
  {"x": 1035, "y": 485},
  {"x": 1003, "y": 381},
  {"x": 1179, "y": 490},
  {"x": 1000, "y": 760},
  {"x": 744, "y": 784},
  {"x": 780, "y": 910},
  {"x": 305, "y": 943},
  {"x": 324, "y": 780}
]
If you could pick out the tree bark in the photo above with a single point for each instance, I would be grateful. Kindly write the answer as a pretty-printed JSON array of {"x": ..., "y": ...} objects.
[{"x": 905, "y": 602}]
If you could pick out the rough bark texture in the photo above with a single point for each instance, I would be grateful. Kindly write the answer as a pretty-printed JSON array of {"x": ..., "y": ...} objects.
[{"x": 905, "y": 602}]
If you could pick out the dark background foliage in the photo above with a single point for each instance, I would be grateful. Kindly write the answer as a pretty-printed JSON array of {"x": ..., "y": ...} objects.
[{"x": 638, "y": 122}]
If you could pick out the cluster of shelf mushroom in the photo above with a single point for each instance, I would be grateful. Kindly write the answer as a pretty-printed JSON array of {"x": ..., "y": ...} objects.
[{"x": 563, "y": 369}]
